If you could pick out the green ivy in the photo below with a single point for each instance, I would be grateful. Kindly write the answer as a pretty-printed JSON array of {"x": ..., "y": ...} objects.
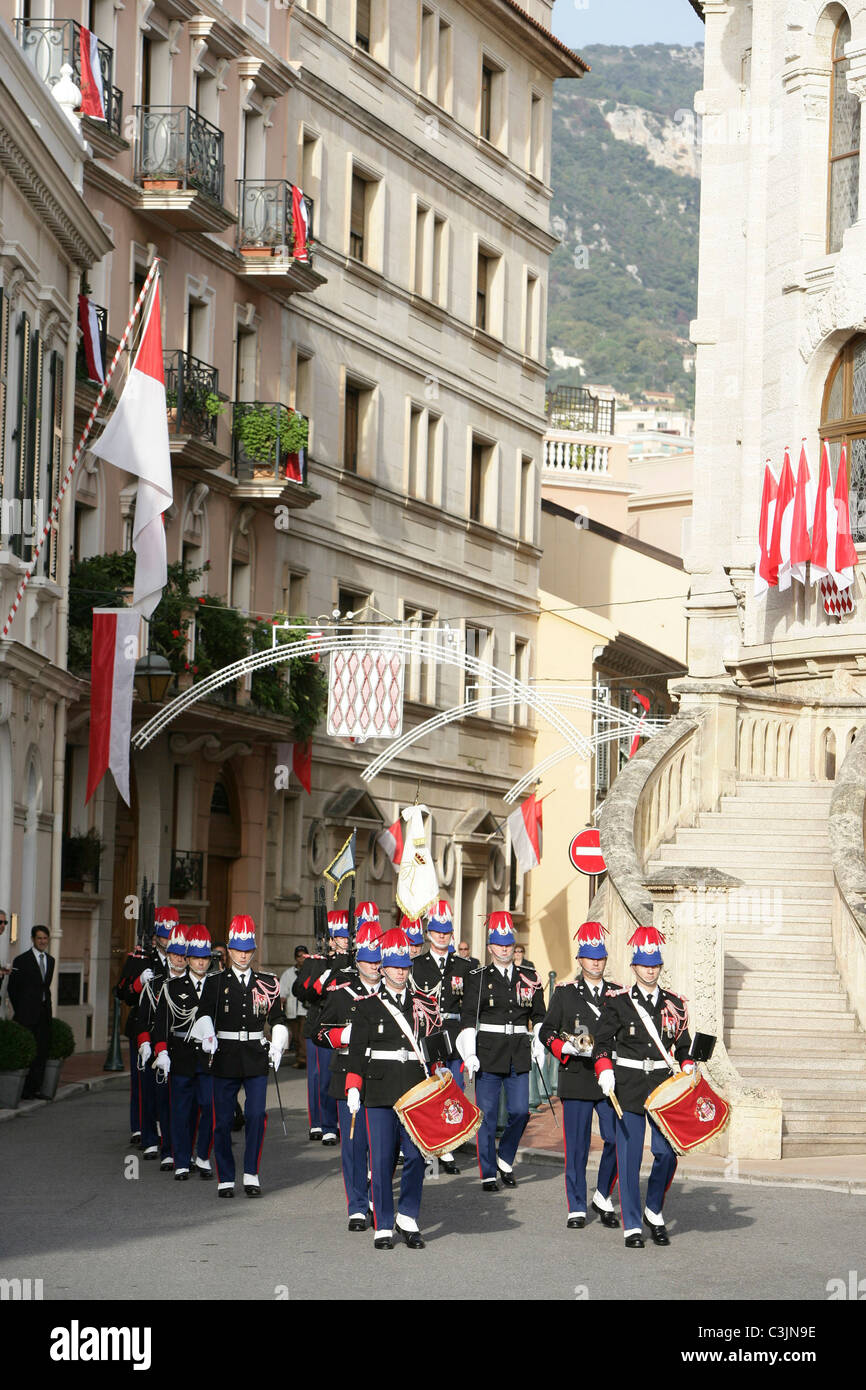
[{"x": 268, "y": 431}]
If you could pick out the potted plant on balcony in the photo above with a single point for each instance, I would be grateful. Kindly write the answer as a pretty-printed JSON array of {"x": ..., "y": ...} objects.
[
  {"x": 270, "y": 435},
  {"x": 60, "y": 1046},
  {"x": 17, "y": 1050},
  {"x": 80, "y": 860}
]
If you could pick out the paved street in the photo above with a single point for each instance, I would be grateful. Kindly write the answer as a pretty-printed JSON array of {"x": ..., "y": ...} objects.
[{"x": 72, "y": 1219}]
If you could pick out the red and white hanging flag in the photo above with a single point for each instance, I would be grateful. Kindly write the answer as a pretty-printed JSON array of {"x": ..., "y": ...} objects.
[
  {"x": 112, "y": 671},
  {"x": 645, "y": 704},
  {"x": 769, "y": 493},
  {"x": 391, "y": 841},
  {"x": 89, "y": 325},
  {"x": 845, "y": 552},
  {"x": 300, "y": 226},
  {"x": 780, "y": 537},
  {"x": 298, "y": 757},
  {"x": 524, "y": 827},
  {"x": 837, "y": 602},
  {"x": 90, "y": 81},
  {"x": 824, "y": 523},
  {"x": 802, "y": 518},
  {"x": 136, "y": 440}
]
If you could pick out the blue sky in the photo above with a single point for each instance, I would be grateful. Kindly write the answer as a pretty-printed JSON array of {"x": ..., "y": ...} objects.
[{"x": 582, "y": 22}]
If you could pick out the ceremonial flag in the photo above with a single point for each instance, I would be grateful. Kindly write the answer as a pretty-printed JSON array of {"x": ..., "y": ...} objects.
[
  {"x": 299, "y": 757},
  {"x": 780, "y": 537},
  {"x": 343, "y": 866},
  {"x": 644, "y": 702},
  {"x": 824, "y": 524},
  {"x": 300, "y": 226},
  {"x": 524, "y": 827},
  {"x": 417, "y": 884},
  {"x": 765, "y": 530},
  {"x": 112, "y": 670},
  {"x": 89, "y": 325},
  {"x": 802, "y": 518},
  {"x": 136, "y": 440},
  {"x": 846, "y": 552},
  {"x": 391, "y": 841},
  {"x": 90, "y": 80}
]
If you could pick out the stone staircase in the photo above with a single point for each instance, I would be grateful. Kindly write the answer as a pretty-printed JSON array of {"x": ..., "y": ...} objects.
[{"x": 788, "y": 1023}]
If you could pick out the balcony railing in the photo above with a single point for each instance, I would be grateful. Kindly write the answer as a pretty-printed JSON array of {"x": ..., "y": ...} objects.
[
  {"x": 566, "y": 455},
  {"x": 269, "y": 442},
  {"x": 265, "y": 220},
  {"x": 575, "y": 408},
  {"x": 191, "y": 396},
  {"x": 49, "y": 43},
  {"x": 176, "y": 148},
  {"x": 81, "y": 369},
  {"x": 187, "y": 874}
]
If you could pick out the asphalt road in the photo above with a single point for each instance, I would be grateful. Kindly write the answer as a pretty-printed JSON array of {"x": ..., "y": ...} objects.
[{"x": 87, "y": 1217}]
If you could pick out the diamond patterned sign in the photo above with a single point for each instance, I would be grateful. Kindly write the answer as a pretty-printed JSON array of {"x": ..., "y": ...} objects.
[
  {"x": 836, "y": 601},
  {"x": 365, "y": 694}
]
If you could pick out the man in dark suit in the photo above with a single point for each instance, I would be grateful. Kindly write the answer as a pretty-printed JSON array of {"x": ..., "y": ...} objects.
[{"x": 30, "y": 996}]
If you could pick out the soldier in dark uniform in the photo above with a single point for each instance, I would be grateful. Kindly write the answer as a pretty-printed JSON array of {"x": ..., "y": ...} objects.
[
  {"x": 191, "y": 1080},
  {"x": 576, "y": 1008},
  {"x": 155, "y": 1103},
  {"x": 500, "y": 1003},
  {"x": 138, "y": 970},
  {"x": 234, "y": 1008},
  {"x": 414, "y": 935},
  {"x": 316, "y": 974},
  {"x": 384, "y": 1063},
  {"x": 627, "y": 1059},
  {"x": 335, "y": 1031},
  {"x": 441, "y": 973}
]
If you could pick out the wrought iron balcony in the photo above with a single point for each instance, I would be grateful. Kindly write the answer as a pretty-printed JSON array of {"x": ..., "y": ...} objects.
[
  {"x": 192, "y": 396},
  {"x": 176, "y": 149},
  {"x": 265, "y": 217},
  {"x": 187, "y": 873},
  {"x": 269, "y": 443},
  {"x": 577, "y": 409},
  {"x": 49, "y": 43}
]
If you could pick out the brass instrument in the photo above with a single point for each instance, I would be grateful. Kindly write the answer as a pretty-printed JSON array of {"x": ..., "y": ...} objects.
[{"x": 582, "y": 1042}]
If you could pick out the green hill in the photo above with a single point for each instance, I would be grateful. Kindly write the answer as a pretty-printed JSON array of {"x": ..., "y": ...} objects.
[{"x": 623, "y": 284}]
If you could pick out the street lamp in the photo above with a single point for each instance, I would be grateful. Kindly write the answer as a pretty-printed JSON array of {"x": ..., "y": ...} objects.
[{"x": 153, "y": 675}]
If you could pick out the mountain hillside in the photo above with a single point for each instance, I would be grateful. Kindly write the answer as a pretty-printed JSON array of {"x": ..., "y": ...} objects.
[{"x": 626, "y": 164}]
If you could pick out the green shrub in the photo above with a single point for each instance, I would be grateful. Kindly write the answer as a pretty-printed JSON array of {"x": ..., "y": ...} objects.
[
  {"x": 17, "y": 1046},
  {"x": 62, "y": 1042}
]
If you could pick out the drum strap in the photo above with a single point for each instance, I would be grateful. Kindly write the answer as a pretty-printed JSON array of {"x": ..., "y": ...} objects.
[
  {"x": 653, "y": 1032},
  {"x": 403, "y": 1024}
]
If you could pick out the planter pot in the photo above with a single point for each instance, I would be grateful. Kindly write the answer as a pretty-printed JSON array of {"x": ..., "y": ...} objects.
[
  {"x": 162, "y": 185},
  {"x": 73, "y": 885},
  {"x": 11, "y": 1086},
  {"x": 51, "y": 1077},
  {"x": 258, "y": 252}
]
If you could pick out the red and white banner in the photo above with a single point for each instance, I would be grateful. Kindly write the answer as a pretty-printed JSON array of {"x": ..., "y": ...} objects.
[
  {"x": 136, "y": 440},
  {"x": 804, "y": 531},
  {"x": 112, "y": 671},
  {"x": 391, "y": 841},
  {"x": 769, "y": 493},
  {"x": 299, "y": 758},
  {"x": 846, "y": 552},
  {"x": 802, "y": 518},
  {"x": 780, "y": 538},
  {"x": 524, "y": 827},
  {"x": 300, "y": 226},
  {"x": 89, "y": 325},
  {"x": 645, "y": 706},
  {"x": 365, "y": 694},
  {"x": 824, "y": 525},
  {"x": 90, "y": 81}
]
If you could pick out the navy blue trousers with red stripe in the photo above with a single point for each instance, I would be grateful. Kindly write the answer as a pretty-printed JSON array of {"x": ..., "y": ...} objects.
[
  {"x": 225, "y": 1094},
  {"x": 384, "y": 1133},
  {"x": 487, "y": 1088},
  {"x": 354, "y": 1154},
  {"x": 630, "y": 1132},
  {"x": 576, "y": 1134},
  {"x": 321, "y": 1108},
  {"x": 191, "y": 1105}
]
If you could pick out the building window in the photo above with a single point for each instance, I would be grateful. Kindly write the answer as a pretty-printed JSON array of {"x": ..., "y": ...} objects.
[
  {"x": 424, "y": 446},
  {"x": 520, "y": 710},
  {"x": 422, "y": 217},
  {"x": 491, "y": 120},
  {"x": 430, "y": 278},
  {"x": 481, "y": 291},
  {"x": 358, "y": 427},
  {"x": 843, "y": 421},
  {"x": 352, "y": 606},
  {"x": 530, "y": 323},
  {"x": 366, "y": 219},
  {"x": 362, "y": 24},
  {"x": 443, "y": 77},
  {"x": 420, "y": 683},
  {"x": 843, "y": 192},
  {"x": 439, "y": 289},
  {"x": 476, "y": 686},
  {"x": 350, "y": 428},
  {"x": 536, "y": 136},
  {"x": 358, "y": 218},
  {"x": 481, "y": 481},
  {"x": 487, "y": 78},
  {"x": 526, "y": 500},
  {"x": 488, "y": 292},
  {"x": 429, "y": 52}
]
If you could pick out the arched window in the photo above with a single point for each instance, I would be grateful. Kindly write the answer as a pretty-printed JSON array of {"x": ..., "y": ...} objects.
[
  {"x": 843, "y": 420},
  {"x": 842, "y": 193}
]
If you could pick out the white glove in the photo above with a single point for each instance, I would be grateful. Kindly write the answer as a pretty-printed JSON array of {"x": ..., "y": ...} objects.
[
  {"x": 346, "y": 1035},
  {"x": 607, "y": 1082},
  {"x": 204, "y": 1032},
  {"x": 569, "y": 1050},
  {"x": 539, "y": 1051},
  {"x": 144, "y": 1054},
  {"x": 688, "y": 1067},
  {"x": 353, "y": 1100},
  {"x": 280, "y": 1036},
  {"x": 276, "y": 1056},
  {"x": 209, "y": 1045},
  {"x": 471, "y": 1065},
  {"x": 146, "y": 976},
  {"x": 466, "y": 1043},
  {"x": 163, "y": 1063}
]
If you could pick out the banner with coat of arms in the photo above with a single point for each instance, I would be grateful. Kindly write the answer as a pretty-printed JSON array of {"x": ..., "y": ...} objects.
[{"x": 365, "y": 694}]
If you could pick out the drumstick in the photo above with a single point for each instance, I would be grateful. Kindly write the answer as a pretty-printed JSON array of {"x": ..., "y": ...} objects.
[
  {"x": 352, "y": 1127},
  {"x": 615, "y": 1103}
]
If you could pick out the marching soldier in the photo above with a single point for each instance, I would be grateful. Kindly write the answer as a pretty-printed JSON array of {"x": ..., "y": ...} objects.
[
  {"x": 155, "y": 1095},
  {"x": 500, "y": 1003},
  {"x": 138, "y": 971},
  {"x": 234, "y": 1007},
  {"x": 315, "y": 975},
  {"x": 385, "y": 1061},
  {"x": 441, "y": 973},
  {"x": 335, "y": 1031},
  {"x": 638, "y": 1028},
  {"x": 575, "y": 1011},
  {"x": 191, "y": 1085},
  {"x": 414, "y": 935}
]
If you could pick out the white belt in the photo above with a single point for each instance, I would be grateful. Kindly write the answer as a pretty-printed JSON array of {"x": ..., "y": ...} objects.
[
  {"x": 444, "y": 1016},
  {"x": 502, "y": 1028},
  {"x": 399, "y": 1054},
  {"x": 243, "y": 1036},
  {"x": 647, "y": 1065}
]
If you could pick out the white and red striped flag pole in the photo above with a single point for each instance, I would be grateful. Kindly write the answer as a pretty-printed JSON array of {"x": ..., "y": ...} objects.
[{"x": 79, "y": 447}]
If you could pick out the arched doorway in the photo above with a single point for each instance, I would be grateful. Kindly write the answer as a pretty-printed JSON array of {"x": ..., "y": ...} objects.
[{"x": 223, "y": 848}]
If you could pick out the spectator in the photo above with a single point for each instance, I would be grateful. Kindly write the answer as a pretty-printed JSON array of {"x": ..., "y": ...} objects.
[
  {"x": 520, "y": 958},
  {"x": 294, "y": 1009},
  {"x": 218, "y": 952},
  {"x": 463, "y": 952},
  {"x": 30, "y": 997}
]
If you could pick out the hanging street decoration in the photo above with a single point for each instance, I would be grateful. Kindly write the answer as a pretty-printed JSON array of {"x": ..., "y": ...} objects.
[{"x": 365, "y": 693}]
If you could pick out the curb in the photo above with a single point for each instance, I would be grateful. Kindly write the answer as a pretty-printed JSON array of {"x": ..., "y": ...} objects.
[
  {"x": 74, "y": 1088},
  {"x": 854, "y": 1187}
]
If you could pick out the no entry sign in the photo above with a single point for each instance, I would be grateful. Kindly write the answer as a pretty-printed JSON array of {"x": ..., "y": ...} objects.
[{"x": 585, "y": 853}]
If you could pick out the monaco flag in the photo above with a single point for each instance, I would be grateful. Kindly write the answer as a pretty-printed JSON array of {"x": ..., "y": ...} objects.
[
  {"x": 824, "y": 524},
  {"x": 769, "y": 493},
  {"x": 391, "y": 841},
  {"x": 802, "y": 518},
  {"x": 90, "y": 81},
  {"x": 300, "y": 226},
  {"x": 89, "y": 325},
  {"x": 780, "y": 537},
  {"x": 524, "y": 827},
  {"x": 115, "y": 652},
  {"x": 136, "y": 440},
  {"x": 846, "y": 552}
]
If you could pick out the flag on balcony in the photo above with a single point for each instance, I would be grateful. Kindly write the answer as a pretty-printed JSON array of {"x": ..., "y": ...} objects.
[
  {"x": 298, "y": 757},
  {"x": 524, "y": 827},
  {"x": 391, "y": 841},
  {"x": 846, "y": 551},
  {"x": 136, "y": 440},
  {"x": 112, "y": 670},
  {"x": 89, "y": 325},
  {"x": 780, "y": 538},
  {"x": 300, "y": 226},
  {"x": 802, "y": 518},
  {"x": 645, "y": 704},
  {"x": 90, "y": 81},
  {"x": 824, "y": 523},
  {"x": 769, "y": 493}
]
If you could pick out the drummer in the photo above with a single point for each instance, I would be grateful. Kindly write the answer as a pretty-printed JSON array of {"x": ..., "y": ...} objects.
[
  {"x": 626, "y": 1027},
  {"x": 385, "y": 1062}
]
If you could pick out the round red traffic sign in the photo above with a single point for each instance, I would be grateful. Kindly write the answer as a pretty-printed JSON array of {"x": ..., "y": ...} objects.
[{"x": 585, "y": 853}]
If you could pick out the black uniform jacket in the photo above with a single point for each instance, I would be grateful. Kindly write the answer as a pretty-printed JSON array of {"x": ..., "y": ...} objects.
[
  {"x": 315, "y": 975},
  {"x": 572, "y": 1011},
  {"x": 234, "y": 1008},
  {"x": 29, "y": 994},
  {"x": 175, "y": 1014},
  {"x": 382, "y": 1080},
  {"x": 128, "y": 988},
  {"x": 337, "y": 1011},
  {"x": 148, "y": 1001},
  {"x": 620, "y": 1030},
  {"x": 493, "y": 1000},
  {"x": 446, "y": 986}
]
